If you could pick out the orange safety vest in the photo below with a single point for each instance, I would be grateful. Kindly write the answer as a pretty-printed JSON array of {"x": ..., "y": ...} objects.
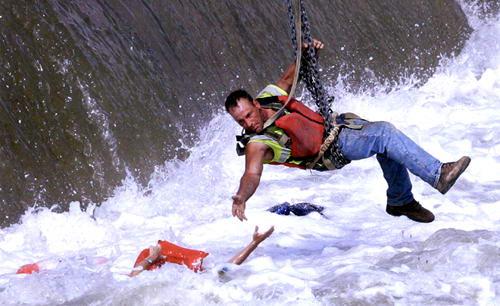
[
  {"x": 305, "y": 133},
  {"x": 28, "y": 269},
  {"x": 304, "y": 126}
]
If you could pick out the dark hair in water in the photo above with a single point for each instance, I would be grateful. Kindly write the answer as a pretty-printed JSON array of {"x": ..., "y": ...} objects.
[{"x": 232, "y": 99}]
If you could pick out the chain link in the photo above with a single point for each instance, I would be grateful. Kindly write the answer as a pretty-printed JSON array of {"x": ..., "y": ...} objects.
[{"x": 291, "y": 23}]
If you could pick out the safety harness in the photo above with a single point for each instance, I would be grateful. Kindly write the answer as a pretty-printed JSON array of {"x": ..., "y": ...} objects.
[
  {"x": 329, "y": 152},
  {"x": 302, "y": 132}
]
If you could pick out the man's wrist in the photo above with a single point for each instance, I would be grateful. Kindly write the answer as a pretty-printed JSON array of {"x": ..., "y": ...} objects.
[{"x": 238, "y": 198}]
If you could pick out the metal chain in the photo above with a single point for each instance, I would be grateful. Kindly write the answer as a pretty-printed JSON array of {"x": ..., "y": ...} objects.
[
  {"x": 291, "y": 23},
  {"x": 309, "y": 71}
]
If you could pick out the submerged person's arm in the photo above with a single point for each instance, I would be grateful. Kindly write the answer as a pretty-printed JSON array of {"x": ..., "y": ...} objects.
[
  {"x": 257, "y": 238},
  {"x": 154, "y": 254}
]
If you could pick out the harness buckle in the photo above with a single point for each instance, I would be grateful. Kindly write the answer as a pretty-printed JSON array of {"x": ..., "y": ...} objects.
[{"x": 241, "y": 142}]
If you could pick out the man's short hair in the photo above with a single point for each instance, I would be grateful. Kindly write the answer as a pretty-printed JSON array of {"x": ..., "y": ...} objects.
[{"x": 232, "y": 99}]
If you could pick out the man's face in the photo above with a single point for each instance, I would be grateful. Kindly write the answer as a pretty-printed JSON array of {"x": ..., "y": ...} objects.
[{"x": 247, "y": 114}]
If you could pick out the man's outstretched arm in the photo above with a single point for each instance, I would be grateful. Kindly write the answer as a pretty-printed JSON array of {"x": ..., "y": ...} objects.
[
  {"x": 255, "y": 155},
  {"x": 257, "y": 238},
  {"x": 286, "y": 80}
]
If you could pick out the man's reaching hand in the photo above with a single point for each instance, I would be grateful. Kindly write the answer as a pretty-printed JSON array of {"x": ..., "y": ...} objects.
[{"x": 239, "y": 207}]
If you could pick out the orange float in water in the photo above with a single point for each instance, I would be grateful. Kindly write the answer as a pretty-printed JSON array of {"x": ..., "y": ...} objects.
[
  {"x": 193, "y": 259},
  {"x": 28, "y": 268}
]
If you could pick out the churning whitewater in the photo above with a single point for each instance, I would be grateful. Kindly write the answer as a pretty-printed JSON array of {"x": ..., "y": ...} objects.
[{"x": 354, "y": 254}]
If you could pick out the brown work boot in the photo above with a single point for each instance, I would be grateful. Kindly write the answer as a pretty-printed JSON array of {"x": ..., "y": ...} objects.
[
  {"x": 412, "y": 210},
  {"x": 450, "y": 173}
]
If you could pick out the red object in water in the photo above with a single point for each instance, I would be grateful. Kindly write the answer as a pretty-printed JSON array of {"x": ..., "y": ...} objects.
[
  {"x": 193, "y": 259},
  {"x": 28, "y": 268}
]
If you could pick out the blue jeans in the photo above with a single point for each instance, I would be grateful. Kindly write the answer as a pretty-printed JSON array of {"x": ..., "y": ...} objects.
[{"x": 395, "y": 152}]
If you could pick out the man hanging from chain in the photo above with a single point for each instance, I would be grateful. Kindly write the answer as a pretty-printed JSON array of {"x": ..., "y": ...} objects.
[{"x": 278, "y": 129}]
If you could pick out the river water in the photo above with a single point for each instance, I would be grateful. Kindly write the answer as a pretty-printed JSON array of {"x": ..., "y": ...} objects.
[{"x": 354, "y": 255}]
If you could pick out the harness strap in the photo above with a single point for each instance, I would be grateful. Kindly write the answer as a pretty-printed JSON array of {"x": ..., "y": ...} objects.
[
  {"x": 332, "y": 136},
  {"x": 326, "y": 144},
  {"x": 282, "y": 139},
  {"x": 336, "y": 160}
]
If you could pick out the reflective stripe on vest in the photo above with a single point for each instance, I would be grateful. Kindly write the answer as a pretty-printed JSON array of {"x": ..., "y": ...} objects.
[{"x": 280, "y": 153}]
